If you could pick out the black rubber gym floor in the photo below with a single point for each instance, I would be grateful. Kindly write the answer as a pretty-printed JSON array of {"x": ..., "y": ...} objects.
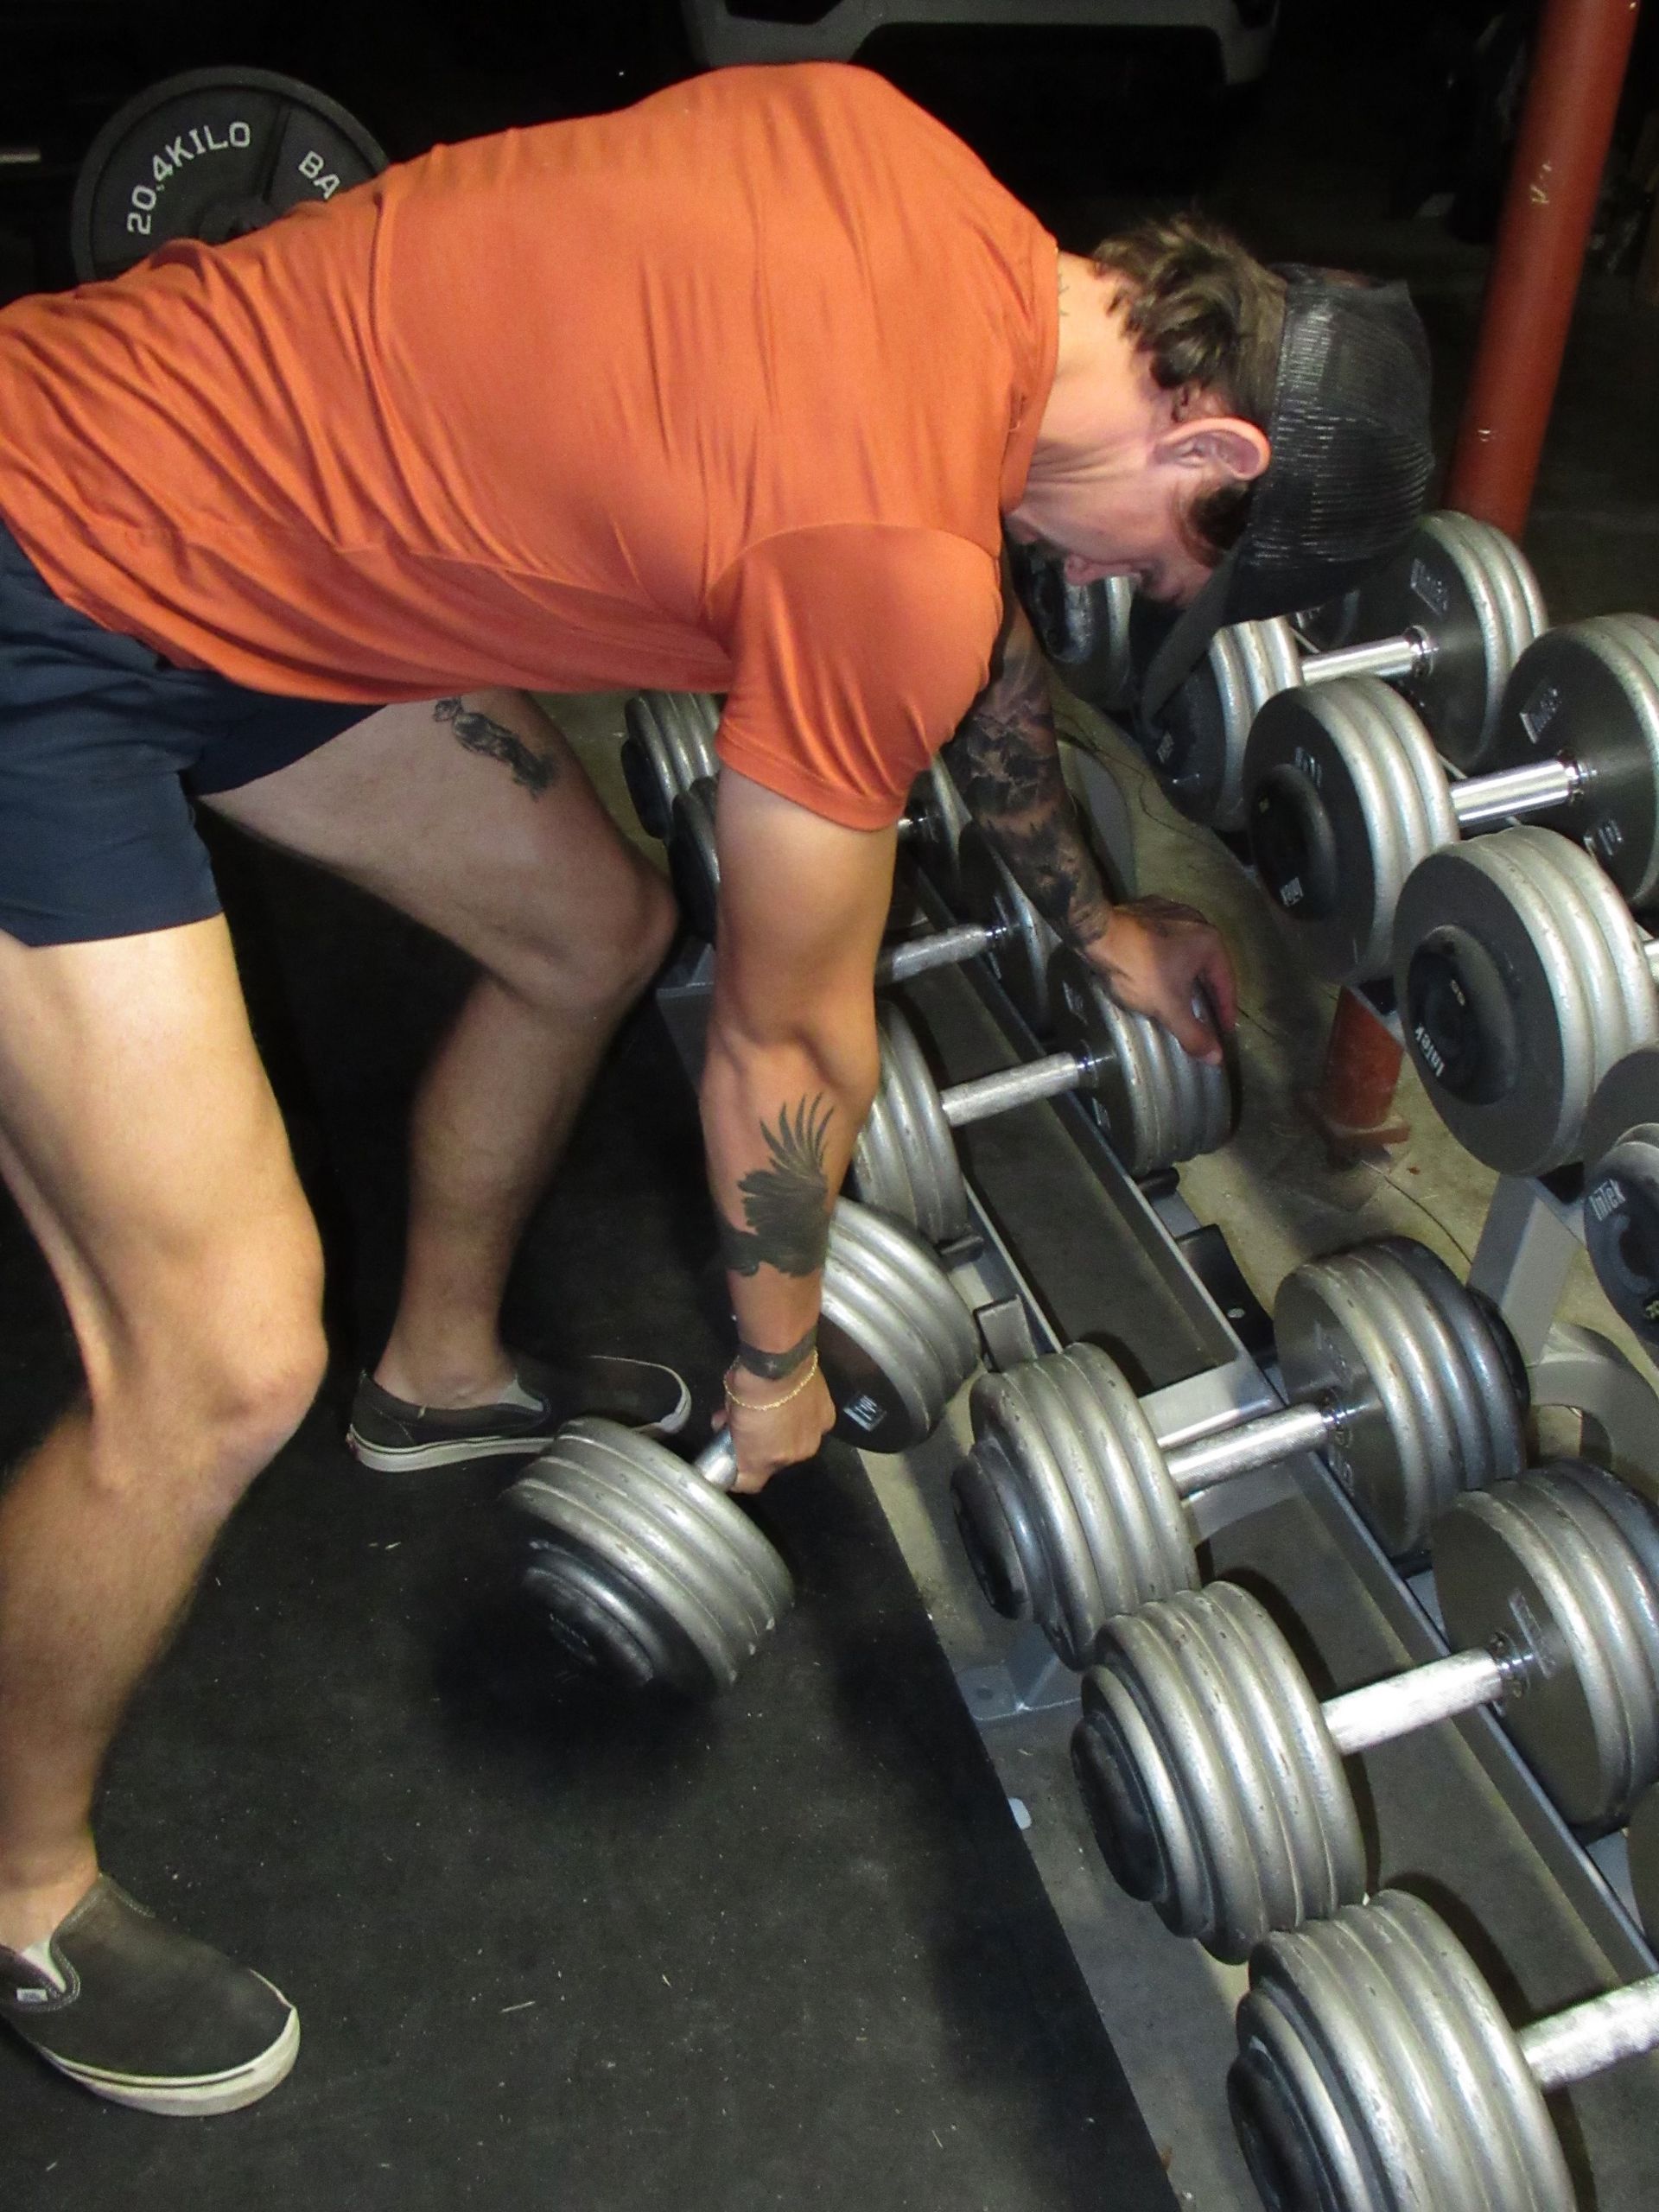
[{"x": 550, "y": 1945}]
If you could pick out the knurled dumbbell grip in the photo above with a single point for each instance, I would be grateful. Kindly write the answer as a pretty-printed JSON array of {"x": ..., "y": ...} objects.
[
  {"x": 1530, "y": 789},
  {"x": 1006, "y": 1088},
  {"x": 1590, "y": 2037},
  {"x": 1378, "y": 1712},
  {"x": 941, "y": 949}
]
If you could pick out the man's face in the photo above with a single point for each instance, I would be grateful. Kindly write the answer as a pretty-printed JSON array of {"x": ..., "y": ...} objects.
[{"x": 1129, "y": 527}]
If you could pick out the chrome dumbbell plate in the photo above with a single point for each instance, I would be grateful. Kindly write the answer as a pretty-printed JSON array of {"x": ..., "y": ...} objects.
[
  {"x": 1197, "y": 751},
  {"x": 669, "y": 746},
  {"x": 1522, "y": 980},
  {"x": 1621, "y": 1189},
  {"x": 1155, "y": 1104}
]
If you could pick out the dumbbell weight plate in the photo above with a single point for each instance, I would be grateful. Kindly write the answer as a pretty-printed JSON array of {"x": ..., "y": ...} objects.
[
  {"x": 1425, "y": 1422},
  {"x": 939, "y": 815},
  {"x": 1469, "y": 588},
  {"x": 212, "y": 155},
  {"x": 1213, "y": 1784},
  {"x": 895, "y": 1339},
  {"x": 1565, "y": 1560},
  {"x": 1590, "y": 690},
  {"x": 668, "y": 747},
  {"x": 905, "y": 1161},
  {"x": 1345, "y": 795},
  {"x": 1019, "y": 959},
  {"x": 1156, "y": 1104},
  {"x": 1375, "y": 2073},
  {"x": 1487, "y": 1378},
  {"x": 1621, "y": 1193},
  {"x": 1520, "y": 981},
  {"x": 1065, "y": 1509},
  {"x": 694, "y": 857},
  {"x": 647, "y": 1571},
  {"x": 1197, "y": 751}
]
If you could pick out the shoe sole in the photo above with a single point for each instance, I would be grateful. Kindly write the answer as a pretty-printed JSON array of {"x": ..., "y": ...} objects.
[
  {"x": 394, "y": 1458},
  {"x": 199, "y": 2097}
]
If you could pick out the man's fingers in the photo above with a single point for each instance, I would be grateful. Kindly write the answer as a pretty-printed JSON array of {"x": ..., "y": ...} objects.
[{"x": 1220, "y": 985}]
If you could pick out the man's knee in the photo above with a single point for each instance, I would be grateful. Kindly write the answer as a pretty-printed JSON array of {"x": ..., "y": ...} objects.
[{"x": 591, "y": 973}]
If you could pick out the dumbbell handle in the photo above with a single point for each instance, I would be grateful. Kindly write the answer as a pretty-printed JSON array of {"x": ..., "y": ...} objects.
[
  {"x": 1249, "y": 1443},
  {"x": 1378, "y": 1712},
  {"x": 1401, "y": 656},
  {"x": 718, "y": 1461},
  {"x": 1006, "y": 1088},
  {"x": 1530, "y": 789},
  {"x": 1588, "y": 2038},
  {"x": 940, "y": 948}
]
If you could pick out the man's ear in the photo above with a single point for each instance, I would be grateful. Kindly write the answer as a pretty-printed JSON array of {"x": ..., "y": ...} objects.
[{"x": 1223, "y": 441}]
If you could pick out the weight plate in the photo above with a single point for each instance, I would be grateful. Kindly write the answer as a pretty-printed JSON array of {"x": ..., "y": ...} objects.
[
  {"x": 1547, "y": 1562},
  {"x": 1621, "y": 1189},
  {"x": 1464, "y": 587},
  {"x": 1545, "y": 957},
  {"x": 1375, "y": 2073},
  {"x": 1492, "y": 1381},
  {"x": 1343, "y": 795},
  {"x": 1589, "y": 693},
  {"x": 1107, "y": 1530},
  {"x": 1216, "y": 1792},
  {"x": 896, "y": 1342},
  {"x": 939, "y": 816},
  {"x": 1021, "y": 944},
  {"x": 210, "y": 155},
  {"x": 904, "y": 1160},
  {"x": 1156, "y": 1104},
  {"x": 655, "y": 1547},
  {"x": 1357, "y": 1332},
  {"x": 1196, "y": 749}
]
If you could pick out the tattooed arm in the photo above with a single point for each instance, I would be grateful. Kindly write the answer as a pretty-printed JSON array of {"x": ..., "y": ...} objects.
[
  {"x": 788, "y": 1072},
  {"x": 1153, "y": 953}
]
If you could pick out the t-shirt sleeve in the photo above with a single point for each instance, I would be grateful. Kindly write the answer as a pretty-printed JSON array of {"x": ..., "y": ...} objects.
[{"x": 857, "y": 650}]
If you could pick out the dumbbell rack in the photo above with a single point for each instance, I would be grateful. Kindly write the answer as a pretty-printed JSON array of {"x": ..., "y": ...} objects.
[{"x": 1065, "y": 1246}]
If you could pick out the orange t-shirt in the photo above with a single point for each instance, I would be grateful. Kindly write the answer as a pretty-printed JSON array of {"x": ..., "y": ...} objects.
[{"x": 725, "y": 392}]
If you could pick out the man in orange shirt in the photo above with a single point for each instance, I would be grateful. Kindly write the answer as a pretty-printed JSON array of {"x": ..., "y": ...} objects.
[{"x": 736, "y": 390}]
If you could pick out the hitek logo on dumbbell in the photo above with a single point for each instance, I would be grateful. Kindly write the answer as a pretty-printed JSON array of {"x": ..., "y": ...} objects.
[
  {"x": 1215, "y": 1779},
  {"x": 1072, "y": 1510}
]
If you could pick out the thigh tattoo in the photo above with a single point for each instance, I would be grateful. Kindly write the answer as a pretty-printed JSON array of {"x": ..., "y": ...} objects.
[{"x": 482, "y": 733}]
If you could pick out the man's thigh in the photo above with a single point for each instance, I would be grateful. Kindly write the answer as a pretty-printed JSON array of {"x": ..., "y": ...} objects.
[
  {"x": 140, "y": 1137},
  {"x": 472, "y": 815}
]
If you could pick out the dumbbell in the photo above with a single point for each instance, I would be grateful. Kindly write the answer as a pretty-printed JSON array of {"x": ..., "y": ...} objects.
[
  {"x": 1155, "y": 1104},
  {"x": 669, "y": 746},
  {"x": 1004, "y": 928},
  {"x": 1446, "y": 620},
  {"x": 646, "y": 1569},
  {"x": 1521, "y": 979},
  {"x": 1082, "y": 628},
  {"x": 1214, "y": 1778},
  {"x": 1072, "y": 1510},
  {"x": 1344, "y": 792},
  {"x": 1621, "y": 1190},
  {"x": 1376, "y": 2073}
]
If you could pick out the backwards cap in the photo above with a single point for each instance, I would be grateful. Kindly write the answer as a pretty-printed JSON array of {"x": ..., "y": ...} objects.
[{"x": 1352, "y": 459}]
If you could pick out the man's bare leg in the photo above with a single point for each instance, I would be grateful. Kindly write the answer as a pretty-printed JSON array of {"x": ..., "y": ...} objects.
[
  {"x": 475, "y": 817},
  {"x": 141, "y": 1139}
]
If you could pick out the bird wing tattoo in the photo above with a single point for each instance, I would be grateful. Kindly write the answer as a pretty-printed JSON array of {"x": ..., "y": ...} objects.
[{"x": 785, "y": 1204}]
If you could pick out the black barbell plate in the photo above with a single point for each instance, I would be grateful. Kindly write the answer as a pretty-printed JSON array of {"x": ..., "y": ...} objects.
[
  {"x": 210, "y": 155},
  {"x": 1621, "y": 1189}
]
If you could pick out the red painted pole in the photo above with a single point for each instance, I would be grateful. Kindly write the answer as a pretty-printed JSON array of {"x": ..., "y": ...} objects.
[{"x": 1578, "y": 70}]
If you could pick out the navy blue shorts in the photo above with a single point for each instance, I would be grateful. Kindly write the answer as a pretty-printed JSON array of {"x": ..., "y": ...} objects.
[{"x": 102, "y": 741}]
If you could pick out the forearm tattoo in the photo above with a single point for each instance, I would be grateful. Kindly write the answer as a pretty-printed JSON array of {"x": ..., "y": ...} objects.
[
  {"x": 1006, "y": 760},
  {"x": 481, "y": 733},
  {"x": 786, "y": 1205}
]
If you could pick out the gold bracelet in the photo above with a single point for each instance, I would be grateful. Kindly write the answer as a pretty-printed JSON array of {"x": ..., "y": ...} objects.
[{"x": 765, "y": 1405}]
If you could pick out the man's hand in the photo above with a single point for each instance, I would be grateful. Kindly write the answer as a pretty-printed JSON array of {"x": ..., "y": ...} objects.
[
  {"x": 777, "y": 1425},
  {"x": 1160, "y": 958}
]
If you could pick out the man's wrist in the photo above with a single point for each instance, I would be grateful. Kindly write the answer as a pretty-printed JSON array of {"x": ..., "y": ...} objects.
[{"x": 775, "y": 1366}]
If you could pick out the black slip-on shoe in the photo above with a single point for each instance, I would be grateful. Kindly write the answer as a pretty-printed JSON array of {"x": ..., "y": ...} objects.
[
  {"x": 392, "y": 1435},
  {"x": 136, "y": 2012}
]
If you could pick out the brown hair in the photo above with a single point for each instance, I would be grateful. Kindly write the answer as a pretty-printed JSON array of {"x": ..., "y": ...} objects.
[{"x": 1207, "y": 317}]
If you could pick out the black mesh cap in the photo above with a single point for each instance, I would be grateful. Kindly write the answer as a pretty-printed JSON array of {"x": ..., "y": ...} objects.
[
  {"x": 1352, "y": 459},
  {"x": 1351, "y": 452}
]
